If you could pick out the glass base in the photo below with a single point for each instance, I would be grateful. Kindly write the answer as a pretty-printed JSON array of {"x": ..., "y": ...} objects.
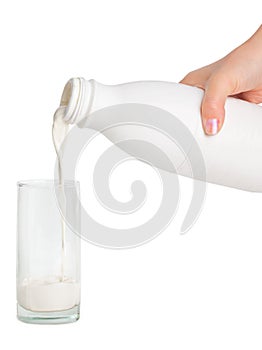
[{"x": 54, "y": 317}]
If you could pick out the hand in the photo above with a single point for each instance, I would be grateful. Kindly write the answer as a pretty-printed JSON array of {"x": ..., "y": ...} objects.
[{"x": 238, "y": 74}]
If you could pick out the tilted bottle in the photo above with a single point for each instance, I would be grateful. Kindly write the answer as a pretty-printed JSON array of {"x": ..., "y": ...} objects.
[{"x": 232, "y": 158}]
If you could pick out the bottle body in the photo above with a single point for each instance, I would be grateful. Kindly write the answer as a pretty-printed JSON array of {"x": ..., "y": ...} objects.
[{"x": 232, "y": 158}]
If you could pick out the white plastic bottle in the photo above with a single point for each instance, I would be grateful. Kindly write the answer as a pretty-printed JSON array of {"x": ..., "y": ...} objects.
[{"x": 232, "y": 158}]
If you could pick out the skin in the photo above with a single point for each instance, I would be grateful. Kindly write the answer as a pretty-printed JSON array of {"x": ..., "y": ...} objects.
[{"x": 239, "y": 74}]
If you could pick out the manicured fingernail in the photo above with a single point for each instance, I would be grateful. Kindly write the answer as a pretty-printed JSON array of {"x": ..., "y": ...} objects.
[{"x": 211, "y": 126}]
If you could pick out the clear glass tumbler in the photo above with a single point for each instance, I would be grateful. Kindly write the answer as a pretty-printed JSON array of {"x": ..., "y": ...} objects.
[{"x": 48, "y": 253}]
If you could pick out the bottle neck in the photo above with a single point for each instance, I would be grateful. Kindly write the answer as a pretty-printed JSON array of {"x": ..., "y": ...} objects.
[{"x": 77, "y": 99}]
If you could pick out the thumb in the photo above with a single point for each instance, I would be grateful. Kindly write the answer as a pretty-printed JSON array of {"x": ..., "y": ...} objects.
[{"x": 212, "y": 108}]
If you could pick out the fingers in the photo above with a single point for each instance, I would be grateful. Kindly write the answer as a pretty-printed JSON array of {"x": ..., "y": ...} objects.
[
  {"x": 216, "y": 91},
  {"x": 197, "y": 78},
  {"x": 253, "y": 96},
  {"x": 217, "y": 86},
  {"x": 212, "y": 108},
  {"x": 192, "y": 81}
]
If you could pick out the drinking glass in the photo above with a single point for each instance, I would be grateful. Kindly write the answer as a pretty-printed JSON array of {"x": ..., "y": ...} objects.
[{"x": 48, "y": 252}]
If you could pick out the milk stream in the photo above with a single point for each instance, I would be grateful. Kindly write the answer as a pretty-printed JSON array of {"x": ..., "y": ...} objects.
[{"x": 59, "y": 132}]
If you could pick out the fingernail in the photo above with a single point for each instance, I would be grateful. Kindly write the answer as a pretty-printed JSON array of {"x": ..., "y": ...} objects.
[{"x": 211, "y": 126}]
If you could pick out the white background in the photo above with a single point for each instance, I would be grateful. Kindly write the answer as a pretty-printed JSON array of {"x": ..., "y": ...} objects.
[{"x": 198, "y": 291}]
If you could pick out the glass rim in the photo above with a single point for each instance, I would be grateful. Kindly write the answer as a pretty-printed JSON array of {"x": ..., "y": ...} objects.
[{"x": 46, "y": 183}]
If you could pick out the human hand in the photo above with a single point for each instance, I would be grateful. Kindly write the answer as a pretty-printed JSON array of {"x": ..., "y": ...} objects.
[{"x": 238, "y": 74}]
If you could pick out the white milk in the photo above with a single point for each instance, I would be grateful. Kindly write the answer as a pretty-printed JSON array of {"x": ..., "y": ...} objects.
[{"x": 50, "y": 294}]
